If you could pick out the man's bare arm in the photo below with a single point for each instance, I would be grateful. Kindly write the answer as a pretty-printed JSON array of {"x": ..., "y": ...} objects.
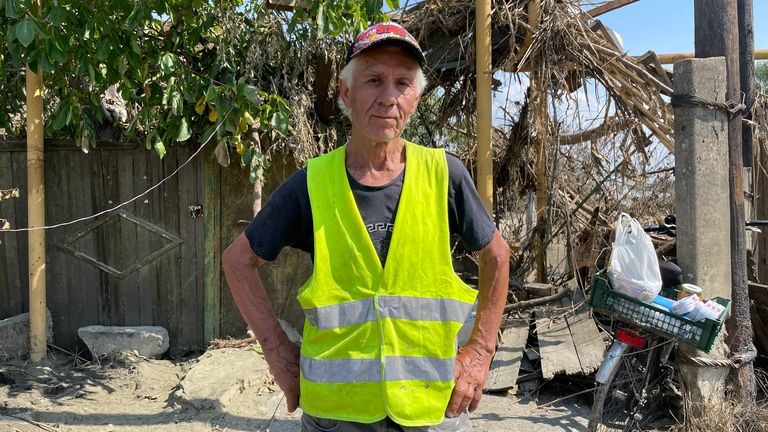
[
  {"x": 240, "y": 268},
  {"x": 473, "y": 359}
]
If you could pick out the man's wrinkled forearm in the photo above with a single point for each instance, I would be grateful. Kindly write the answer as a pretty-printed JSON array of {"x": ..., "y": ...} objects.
[
  {"x": 492, "y": 296},
  {"x": 240, "y": 269}
]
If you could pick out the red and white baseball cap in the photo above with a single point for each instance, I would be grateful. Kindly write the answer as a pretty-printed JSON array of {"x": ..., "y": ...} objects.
[{"x": 388, "y": 33}]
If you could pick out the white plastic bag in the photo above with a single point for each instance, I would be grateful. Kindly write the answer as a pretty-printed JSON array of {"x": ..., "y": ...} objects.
[{"x": 634, "y": 268}]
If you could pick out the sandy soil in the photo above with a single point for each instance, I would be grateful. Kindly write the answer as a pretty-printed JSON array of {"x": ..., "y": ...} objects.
[{"x": 223, "y": 390}]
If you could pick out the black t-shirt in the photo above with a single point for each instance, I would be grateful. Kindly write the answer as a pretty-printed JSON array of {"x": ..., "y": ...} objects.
[{"x": 286, "y": 218}]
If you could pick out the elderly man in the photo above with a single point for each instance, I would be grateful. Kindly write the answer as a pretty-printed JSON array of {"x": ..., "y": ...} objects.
[{"x": 383, "y": 306}]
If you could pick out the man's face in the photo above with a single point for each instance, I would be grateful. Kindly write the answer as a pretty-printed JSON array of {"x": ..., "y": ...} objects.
[{"x": 383, "y": 93}]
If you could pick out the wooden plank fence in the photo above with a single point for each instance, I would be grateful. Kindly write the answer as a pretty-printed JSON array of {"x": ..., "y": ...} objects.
[
  {"x": 137, "y": 266},
  {"x": 154, "y": 262}
]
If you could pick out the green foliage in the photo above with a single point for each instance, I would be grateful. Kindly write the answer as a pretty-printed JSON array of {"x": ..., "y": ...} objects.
[
  {"x": 336, "y": 17},
  {"x": 761, "y": 74},
  {"x": 186, "y": 69},
  {"x": 453, "y": 136}
]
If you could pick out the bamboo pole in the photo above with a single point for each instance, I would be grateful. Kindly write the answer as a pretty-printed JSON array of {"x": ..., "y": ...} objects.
[
  {"x": 36, "y": 211},
  {"x": 533, "y": 19},
  {"x": 538, "y": 97},
  {"x": 484, "y": 119},
  {"x": 760, "y": 54}
]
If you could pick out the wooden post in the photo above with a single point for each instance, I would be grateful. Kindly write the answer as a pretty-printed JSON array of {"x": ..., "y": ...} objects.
[
  {"x": 716, "y": 34},
  {"x": 36, "y": 210},
  {"x": 539, "y": 117},
  {"x": 484, "y": 121},
  {"x": 538, "y": 101},
  {"x": 747, "y": 72},
  {"x": 212, "y": 235}
]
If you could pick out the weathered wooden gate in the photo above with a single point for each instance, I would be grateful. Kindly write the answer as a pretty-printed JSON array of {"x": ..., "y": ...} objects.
[{"x": 141, "y": 265}]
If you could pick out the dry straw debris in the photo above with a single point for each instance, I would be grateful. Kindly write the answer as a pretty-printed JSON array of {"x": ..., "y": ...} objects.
[{"x": 608, "y": 134}]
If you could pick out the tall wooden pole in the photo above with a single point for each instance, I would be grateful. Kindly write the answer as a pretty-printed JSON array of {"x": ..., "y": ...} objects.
[
  {"x": 716, "y": 35},
  {"x": 539, "y": 114},
  {"x": 484, "y": 120},
  {"x": 36, "y": 212},
  {"x": 747, "y": 71},
  {"x": 538, "y": 101}
]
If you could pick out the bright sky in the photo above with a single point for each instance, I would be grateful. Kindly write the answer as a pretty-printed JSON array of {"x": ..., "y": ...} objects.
[{"x": 666, "y": 26}]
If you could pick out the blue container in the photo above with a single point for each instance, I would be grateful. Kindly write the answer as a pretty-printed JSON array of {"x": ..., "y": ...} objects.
[{"x": 664, "y": 302}]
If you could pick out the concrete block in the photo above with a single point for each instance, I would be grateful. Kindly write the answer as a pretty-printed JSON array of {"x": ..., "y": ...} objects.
[
  {"x": 703, "y": 214},
  {"x": 110, "y": 341},
  {"x": 701, "y": 178},
  {"x": 14, "y": 336}
]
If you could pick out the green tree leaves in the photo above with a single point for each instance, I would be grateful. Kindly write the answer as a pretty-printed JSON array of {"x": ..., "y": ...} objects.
[
  {"x": 761, "y": 73},
  {"x": 26, "y": 31},
  {"x": 182, "y": 70}
]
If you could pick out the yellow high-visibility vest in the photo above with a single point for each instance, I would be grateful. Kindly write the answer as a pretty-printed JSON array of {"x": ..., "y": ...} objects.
[{"x": 379, "y": 341}]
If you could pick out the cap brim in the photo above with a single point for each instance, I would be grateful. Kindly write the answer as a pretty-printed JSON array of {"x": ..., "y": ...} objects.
[{"x": 415, "y": 52}]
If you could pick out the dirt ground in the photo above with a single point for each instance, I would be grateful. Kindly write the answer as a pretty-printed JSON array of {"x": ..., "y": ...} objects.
[{"x": 223, "y": 390}]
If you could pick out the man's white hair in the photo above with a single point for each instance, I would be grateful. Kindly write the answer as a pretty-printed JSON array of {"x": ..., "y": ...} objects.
[{"x": 349, "y": 71}]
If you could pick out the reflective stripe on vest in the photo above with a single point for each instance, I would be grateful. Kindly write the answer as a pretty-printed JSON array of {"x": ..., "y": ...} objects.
[
  {"x": 381, "y": 342},
  {"x": 395, "y": 307},
  {"x": 369, "y": 370}
]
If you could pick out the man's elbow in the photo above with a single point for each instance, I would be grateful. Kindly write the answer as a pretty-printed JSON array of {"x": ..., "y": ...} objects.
[
  {"x": 497, "y": 252},
  {"x": 239, "y": 254}
]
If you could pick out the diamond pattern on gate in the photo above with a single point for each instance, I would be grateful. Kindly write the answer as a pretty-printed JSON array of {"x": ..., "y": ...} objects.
[{"x": 90, "y": 244}]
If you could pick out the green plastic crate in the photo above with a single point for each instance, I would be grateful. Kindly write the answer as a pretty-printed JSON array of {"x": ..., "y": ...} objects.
[{"x": 701, "y": 334}]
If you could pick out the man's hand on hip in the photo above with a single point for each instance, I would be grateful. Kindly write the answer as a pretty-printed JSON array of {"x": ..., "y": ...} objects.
[
  {"x": 471, "y": 370},
  {"x": 283, "y": 361}
]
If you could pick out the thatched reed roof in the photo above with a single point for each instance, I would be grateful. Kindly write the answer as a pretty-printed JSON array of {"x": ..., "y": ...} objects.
[{"x": 565, "y": 44}]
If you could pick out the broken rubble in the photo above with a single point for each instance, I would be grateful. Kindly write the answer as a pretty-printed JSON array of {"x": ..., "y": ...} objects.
[
  {"x": 224, "y": 378},
  {"x": 111, "y": 341}
]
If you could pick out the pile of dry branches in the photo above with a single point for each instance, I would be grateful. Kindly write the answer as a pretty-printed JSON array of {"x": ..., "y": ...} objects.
[{"x": 608, "y": 130}]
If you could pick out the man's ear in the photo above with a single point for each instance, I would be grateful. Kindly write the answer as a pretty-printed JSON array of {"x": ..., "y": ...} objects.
[{"x": 344, "y": 92}]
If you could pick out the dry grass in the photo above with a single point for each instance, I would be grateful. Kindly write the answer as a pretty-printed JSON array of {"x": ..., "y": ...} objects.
[
  {"x": 730, "y": 416},
  {"x": 727, "y": 417}
]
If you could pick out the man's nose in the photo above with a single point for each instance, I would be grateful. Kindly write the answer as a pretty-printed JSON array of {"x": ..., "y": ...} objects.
[{"x": 389, "y": 94}]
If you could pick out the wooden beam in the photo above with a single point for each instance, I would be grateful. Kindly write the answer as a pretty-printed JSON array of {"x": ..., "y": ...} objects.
[
  {"x": 760, "y": 54},
  {"x": 212, "y": 242},
  {"x": 505, "y": 366},
  {"x": 608, "y": 7}
]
